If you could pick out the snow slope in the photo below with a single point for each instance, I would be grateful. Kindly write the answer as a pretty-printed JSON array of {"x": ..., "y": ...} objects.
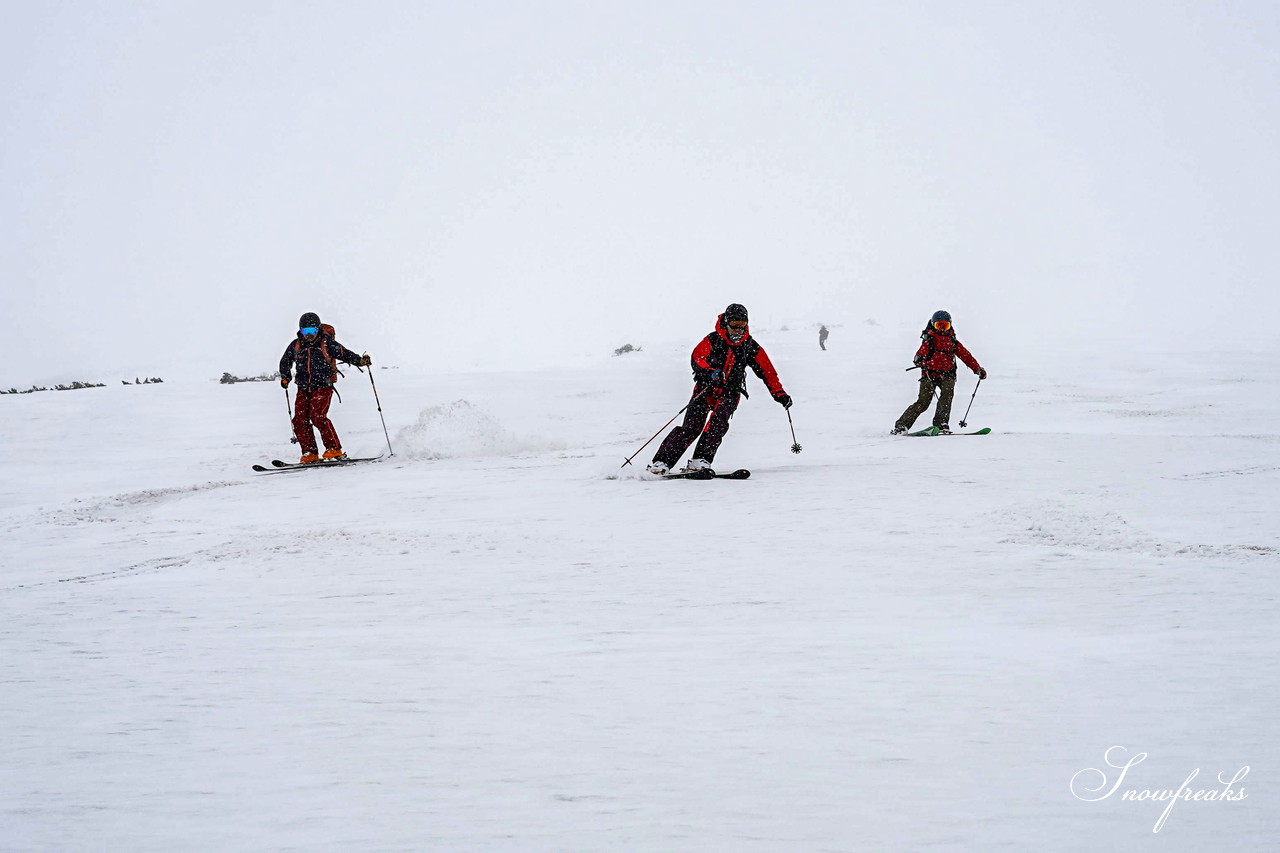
[{"x": 496, "y": 640}]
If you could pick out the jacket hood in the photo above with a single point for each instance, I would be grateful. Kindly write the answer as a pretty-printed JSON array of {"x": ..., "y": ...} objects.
[{"x": 723, "y": 329}]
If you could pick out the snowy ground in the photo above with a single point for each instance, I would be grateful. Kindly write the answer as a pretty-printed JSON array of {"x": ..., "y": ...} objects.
[{"x": 493, "y": 642}]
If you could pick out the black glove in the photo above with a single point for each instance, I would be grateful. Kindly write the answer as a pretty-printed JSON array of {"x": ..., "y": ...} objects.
[
  {"x": 717, "y": 378},
  {"x": 982, "y": 373},
  {"x": 364, "y": 361},
  {"x": 918, "y": 360},
  {"x": 784, "y": 399},
  {"x": 284, "y": 381}
]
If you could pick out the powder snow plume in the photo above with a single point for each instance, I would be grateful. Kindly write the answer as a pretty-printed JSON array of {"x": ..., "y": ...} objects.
[{"x": 460, "y": 429}]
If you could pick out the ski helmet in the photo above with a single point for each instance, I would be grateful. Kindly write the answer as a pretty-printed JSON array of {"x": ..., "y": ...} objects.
[
  {"x": 735, "y": 312},
  {"x": 940, "y": 315},
  {"x": 309, "y": 319}
]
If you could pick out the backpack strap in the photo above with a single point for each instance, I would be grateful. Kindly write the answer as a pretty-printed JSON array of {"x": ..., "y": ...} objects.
[
  {"x": 334, "y": 372},
  {"x": 933, "y": 375},
  {"x": 333, "y": 363}
]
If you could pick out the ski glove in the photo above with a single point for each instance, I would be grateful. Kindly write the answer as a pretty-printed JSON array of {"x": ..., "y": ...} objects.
[
  {"x": 784, "y": 400},
  {"x": 717, "y": 378},
  {"x": 918, "y": 360},
  {"x": 364, "y": 361},
  {"x": 284, "y": 382},
  {"x": 982, "y": 373}
]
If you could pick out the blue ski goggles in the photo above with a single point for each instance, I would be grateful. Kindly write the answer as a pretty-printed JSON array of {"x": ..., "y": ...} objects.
[{"x": 310, "y": 331}]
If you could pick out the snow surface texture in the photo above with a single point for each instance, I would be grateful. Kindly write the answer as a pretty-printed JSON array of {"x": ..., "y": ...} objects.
[{"x": 497, "y": 640}]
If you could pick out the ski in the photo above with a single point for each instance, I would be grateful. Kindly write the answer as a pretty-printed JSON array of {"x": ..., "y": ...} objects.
[
  {"x": 934, "y": 431},
  {"x": 280, "y": 466},
  {"x": 740, "y": 474},
  {"x": 325, "y": 463}
]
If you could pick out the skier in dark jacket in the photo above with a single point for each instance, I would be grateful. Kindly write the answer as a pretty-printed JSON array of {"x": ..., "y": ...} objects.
[
  {"x": 315, "y": 354},
  {"x": 936, "y": 359},
  {"x": 720, "y": 363},
  {"x": 822, "y": 338}
]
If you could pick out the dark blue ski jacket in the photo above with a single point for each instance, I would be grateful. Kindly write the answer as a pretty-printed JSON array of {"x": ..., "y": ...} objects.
[{"x": 316, "y": 361}]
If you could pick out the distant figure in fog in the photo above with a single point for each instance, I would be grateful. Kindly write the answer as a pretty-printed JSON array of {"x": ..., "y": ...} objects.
[{"x": 822, "y": 338}]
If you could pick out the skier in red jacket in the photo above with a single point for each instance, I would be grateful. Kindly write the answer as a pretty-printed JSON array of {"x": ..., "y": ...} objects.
[
  {"x": 315, "y": 354},
  {"x": 936, "y": 359},
  {"x": 720, "y": 363}
]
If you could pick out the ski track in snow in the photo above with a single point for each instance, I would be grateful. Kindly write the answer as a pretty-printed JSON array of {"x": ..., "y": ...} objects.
[
  {"x": 1063, "y": 527},
  {"x": 498, "y": 639}
]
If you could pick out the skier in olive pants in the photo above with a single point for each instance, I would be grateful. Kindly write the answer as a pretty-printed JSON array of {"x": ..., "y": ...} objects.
[{"x": 936, "y": 359}]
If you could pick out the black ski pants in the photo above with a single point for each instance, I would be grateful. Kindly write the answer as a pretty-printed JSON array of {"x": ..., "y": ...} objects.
[
  {"x": 720, "y": 405},
  {"x": 946, "y": 384}
]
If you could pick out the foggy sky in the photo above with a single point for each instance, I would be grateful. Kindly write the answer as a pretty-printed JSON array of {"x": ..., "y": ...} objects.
[{"x": 180, "y": 180}]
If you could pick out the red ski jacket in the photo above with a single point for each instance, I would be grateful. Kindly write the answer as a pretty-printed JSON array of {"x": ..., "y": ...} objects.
[
  {"x": 717, "y": 352},
  {"x": 938, "y": 351}
]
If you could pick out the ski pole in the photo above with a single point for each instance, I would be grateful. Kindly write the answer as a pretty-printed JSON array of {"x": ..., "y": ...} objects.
[
  {"x": 970, "y": 406},
  {"x": 379, "y": 402},
  {"x": 664, "y": 426},
  {"x": 288, "y": 405},
  {"x": 795, "y": 445}
]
